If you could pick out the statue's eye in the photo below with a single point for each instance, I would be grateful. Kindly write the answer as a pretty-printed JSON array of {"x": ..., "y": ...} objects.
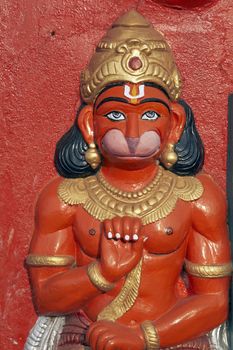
[
  {"x": 150, "y": 115},
  {"x": 115, "y": 115}
]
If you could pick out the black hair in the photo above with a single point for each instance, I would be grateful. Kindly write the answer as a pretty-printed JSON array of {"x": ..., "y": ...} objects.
[
  {"x": 190, "y": 149},
  {"x": 70, "y": 150}
]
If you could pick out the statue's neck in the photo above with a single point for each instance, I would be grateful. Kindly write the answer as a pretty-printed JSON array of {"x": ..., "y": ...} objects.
[{"x": 129, "y": 180}]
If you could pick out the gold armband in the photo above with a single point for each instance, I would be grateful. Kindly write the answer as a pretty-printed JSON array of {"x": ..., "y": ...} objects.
[
  {"x": 150, "y": 335},
  {"x": 97, "y": 279},
  {"x": 50, "y": 260},
  {"x": 208, "y": 271}
]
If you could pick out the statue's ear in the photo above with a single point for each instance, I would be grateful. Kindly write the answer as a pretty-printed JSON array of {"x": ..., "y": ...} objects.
[
  {"x": 85, "y": 124},
  {"x": 178, "y": 122}
]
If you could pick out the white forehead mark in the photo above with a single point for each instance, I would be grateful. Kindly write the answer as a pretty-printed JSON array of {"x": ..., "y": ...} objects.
[{"x": 139, "y": 95}]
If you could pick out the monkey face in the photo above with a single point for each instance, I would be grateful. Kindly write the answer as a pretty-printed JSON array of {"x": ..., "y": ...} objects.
[{"x": 132, "y": 123}]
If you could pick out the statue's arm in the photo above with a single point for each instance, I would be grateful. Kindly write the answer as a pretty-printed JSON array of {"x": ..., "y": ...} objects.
[
  {"x": 207, "y": 306},
  {"x": 58, "y": 286}
]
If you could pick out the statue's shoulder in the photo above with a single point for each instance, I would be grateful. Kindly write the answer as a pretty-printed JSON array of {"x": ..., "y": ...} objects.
[
  {"x": 211, "y": 206},
  {"x": 201, "y": 188},
  {"x": 212, "y": 192},
  {"x": 49, "y": 192},
  {"x": 49, "y": 207}
]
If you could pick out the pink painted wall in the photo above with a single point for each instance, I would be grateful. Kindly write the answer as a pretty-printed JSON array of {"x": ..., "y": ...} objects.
[{"x": 44, "y": 44}]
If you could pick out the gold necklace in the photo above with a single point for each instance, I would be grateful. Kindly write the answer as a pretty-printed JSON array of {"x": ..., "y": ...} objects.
[
  {"x": 103, "y": 201},
  {"x": 125, "y": 194}
]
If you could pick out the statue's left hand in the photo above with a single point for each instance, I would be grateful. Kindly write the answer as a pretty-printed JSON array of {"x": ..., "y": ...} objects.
[{"x": 106, "y": 335}]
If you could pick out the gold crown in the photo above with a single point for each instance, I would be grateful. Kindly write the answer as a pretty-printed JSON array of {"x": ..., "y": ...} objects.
[{"x": 133, "y": 51}]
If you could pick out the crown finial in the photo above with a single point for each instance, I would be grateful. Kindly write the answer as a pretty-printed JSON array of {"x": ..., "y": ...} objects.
[{"x": 132, "y": 18}]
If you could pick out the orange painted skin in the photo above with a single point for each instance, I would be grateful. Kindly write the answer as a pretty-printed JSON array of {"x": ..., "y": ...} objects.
[{"x": 199, "y": 234}]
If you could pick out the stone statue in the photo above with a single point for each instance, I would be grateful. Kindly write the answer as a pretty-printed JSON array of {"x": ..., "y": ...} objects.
[{"x": 130, "y": 248}]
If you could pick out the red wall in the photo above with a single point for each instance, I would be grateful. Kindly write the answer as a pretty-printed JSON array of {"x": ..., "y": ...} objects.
[{"x": 44, "y": 45}]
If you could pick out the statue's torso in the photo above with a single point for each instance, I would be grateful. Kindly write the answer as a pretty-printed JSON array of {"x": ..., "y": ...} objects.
[
  {"x": 168, "y": 241},
  {"x": 163, "y": 258}
]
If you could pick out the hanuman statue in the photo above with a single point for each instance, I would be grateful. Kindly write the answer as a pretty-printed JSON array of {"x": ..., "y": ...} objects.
[{"x": 130, "y": 249}]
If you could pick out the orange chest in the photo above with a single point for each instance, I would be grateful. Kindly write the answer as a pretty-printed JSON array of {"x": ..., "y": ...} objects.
[
  {"x": 161, "y": 237},
  {"x": 167, "y": 235}
]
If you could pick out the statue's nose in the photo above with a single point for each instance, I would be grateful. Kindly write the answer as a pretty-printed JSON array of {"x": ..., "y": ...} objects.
[{"x": 132, "y": 143}]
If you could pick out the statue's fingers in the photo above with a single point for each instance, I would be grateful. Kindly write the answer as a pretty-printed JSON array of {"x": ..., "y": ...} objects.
[
  {"x": 95, "y": 335},
  {"x": 103, "y": 340},
  {"x": 110, "y": 344},
  {"x": 136, "y": 229},
  {"x": 90, "y": 331},
  {"x": 108, "y": 228},
  {"x": 126, "y": 228},
  {"x": 97, "y": 341},
  {"x": 117, "y": 227}
]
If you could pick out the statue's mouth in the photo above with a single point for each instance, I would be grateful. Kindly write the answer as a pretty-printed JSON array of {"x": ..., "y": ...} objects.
[
  {"x": 134, "y": 156},
  {"x": 117, "y": 145}
]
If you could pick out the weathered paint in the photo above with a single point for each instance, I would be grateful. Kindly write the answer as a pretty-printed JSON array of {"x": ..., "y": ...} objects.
[{"x": 44, "y": 45}]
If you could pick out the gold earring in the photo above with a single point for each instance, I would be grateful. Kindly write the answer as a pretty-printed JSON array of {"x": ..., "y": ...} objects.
[
  {"x": 92, "y": 156},
  {"x": 169, "y": 156}
]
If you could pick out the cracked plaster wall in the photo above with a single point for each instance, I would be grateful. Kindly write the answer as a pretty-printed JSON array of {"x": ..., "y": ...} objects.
[{"x": 43, "y": 47}]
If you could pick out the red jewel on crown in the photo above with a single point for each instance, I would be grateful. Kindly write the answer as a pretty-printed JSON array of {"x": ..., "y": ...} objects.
[{"x": 135, "y": 63}]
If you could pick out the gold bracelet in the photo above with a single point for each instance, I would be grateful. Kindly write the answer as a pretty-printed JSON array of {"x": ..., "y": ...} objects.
[
  {"x": 97, "y": 279},
  {"x": 208, "y": 271},
  {"x": 151, "y": 336},
  {"x": 50, "y": 260}
]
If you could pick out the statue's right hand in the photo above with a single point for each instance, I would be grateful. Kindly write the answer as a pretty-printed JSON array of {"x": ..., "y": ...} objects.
[{"x": 121, "y": 247}]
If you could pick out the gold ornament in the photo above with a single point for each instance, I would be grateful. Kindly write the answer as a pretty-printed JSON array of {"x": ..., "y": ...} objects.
[
  {"x": 151, "y": 336},
  {"x": 92, "y": 156},
  {"x": 126, "y": 298},
  {"x": 50, "y": 260},
  {"x": 131, "y": 51},
  {"x": 208, "y": 271},
  {"x": 129, "y": 195},
  {"x": 154, "y": 202},
  {"x": 97, "y": 279},
  {"x": 169, "y": 156}
]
